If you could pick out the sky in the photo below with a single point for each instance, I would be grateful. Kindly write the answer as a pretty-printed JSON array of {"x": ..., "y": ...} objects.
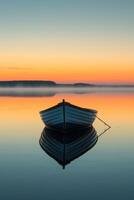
[{"x": 67, "y": 41}]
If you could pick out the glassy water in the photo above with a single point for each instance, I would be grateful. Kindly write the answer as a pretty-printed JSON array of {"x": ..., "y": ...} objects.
[{"x": 104, "y": 172}]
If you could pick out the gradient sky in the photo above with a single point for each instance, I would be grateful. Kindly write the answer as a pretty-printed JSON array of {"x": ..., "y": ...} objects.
[{"x": 67, "y": 41}]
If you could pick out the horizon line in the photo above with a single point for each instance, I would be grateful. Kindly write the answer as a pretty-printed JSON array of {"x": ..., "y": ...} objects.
[{"x": 57, "y": 82}]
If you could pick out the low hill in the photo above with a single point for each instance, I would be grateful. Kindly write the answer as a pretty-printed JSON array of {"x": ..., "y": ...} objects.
[
  {"x": 27, "y": 83},
  {"x": 82, "y": 84}
]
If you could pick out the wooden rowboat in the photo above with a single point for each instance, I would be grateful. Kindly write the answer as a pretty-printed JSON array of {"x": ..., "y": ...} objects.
[
  {"x": 67, "y": 147},
  {"x": 65, "y": 116}
]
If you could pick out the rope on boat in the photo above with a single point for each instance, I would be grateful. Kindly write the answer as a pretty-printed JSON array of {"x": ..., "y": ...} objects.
[
  {"x": 104, "y": 131},
  {"x": 103, "y": 121}
]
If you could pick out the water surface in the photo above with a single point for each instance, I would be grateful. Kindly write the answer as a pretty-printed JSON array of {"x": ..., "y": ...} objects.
[{"x": 104, "y": 172}]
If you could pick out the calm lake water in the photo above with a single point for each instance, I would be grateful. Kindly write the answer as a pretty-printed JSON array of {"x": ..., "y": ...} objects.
[{"x": 104, "y": 172}]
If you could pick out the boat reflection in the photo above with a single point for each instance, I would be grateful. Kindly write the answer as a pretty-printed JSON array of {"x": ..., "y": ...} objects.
[{"x": 68, "y": 146}]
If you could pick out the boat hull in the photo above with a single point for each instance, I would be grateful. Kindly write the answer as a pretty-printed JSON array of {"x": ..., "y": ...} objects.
[{"x": 68, "y": 116}]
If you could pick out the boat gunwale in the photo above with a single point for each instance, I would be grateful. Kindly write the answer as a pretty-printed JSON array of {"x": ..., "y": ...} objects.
[{"x": 71, "y": 105}]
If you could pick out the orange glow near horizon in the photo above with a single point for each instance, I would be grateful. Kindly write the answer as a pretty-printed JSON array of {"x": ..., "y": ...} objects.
[
  {"x": 60, "y": 74},
  {"x": 69, "y": 64}
]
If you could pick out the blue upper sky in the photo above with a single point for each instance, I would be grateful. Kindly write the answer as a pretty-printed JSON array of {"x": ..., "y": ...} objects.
[{"x": 71, "y": 17}]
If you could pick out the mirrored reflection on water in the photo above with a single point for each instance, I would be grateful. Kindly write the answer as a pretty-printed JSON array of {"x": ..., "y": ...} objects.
[{"x": 65, "y": 147}]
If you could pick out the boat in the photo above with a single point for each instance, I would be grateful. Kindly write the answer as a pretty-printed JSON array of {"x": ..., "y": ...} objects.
[
  {"x": 67, "y": 147},
  {"x": 68, "y": 116}
]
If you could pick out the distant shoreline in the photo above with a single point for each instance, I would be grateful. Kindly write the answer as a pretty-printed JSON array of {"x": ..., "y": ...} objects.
[{"x": 34, "y": 83}]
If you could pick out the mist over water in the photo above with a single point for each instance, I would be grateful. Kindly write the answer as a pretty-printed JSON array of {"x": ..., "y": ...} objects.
[
  {"x": 104, "y": 172},
  {"x": 52, "y": 91}
]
